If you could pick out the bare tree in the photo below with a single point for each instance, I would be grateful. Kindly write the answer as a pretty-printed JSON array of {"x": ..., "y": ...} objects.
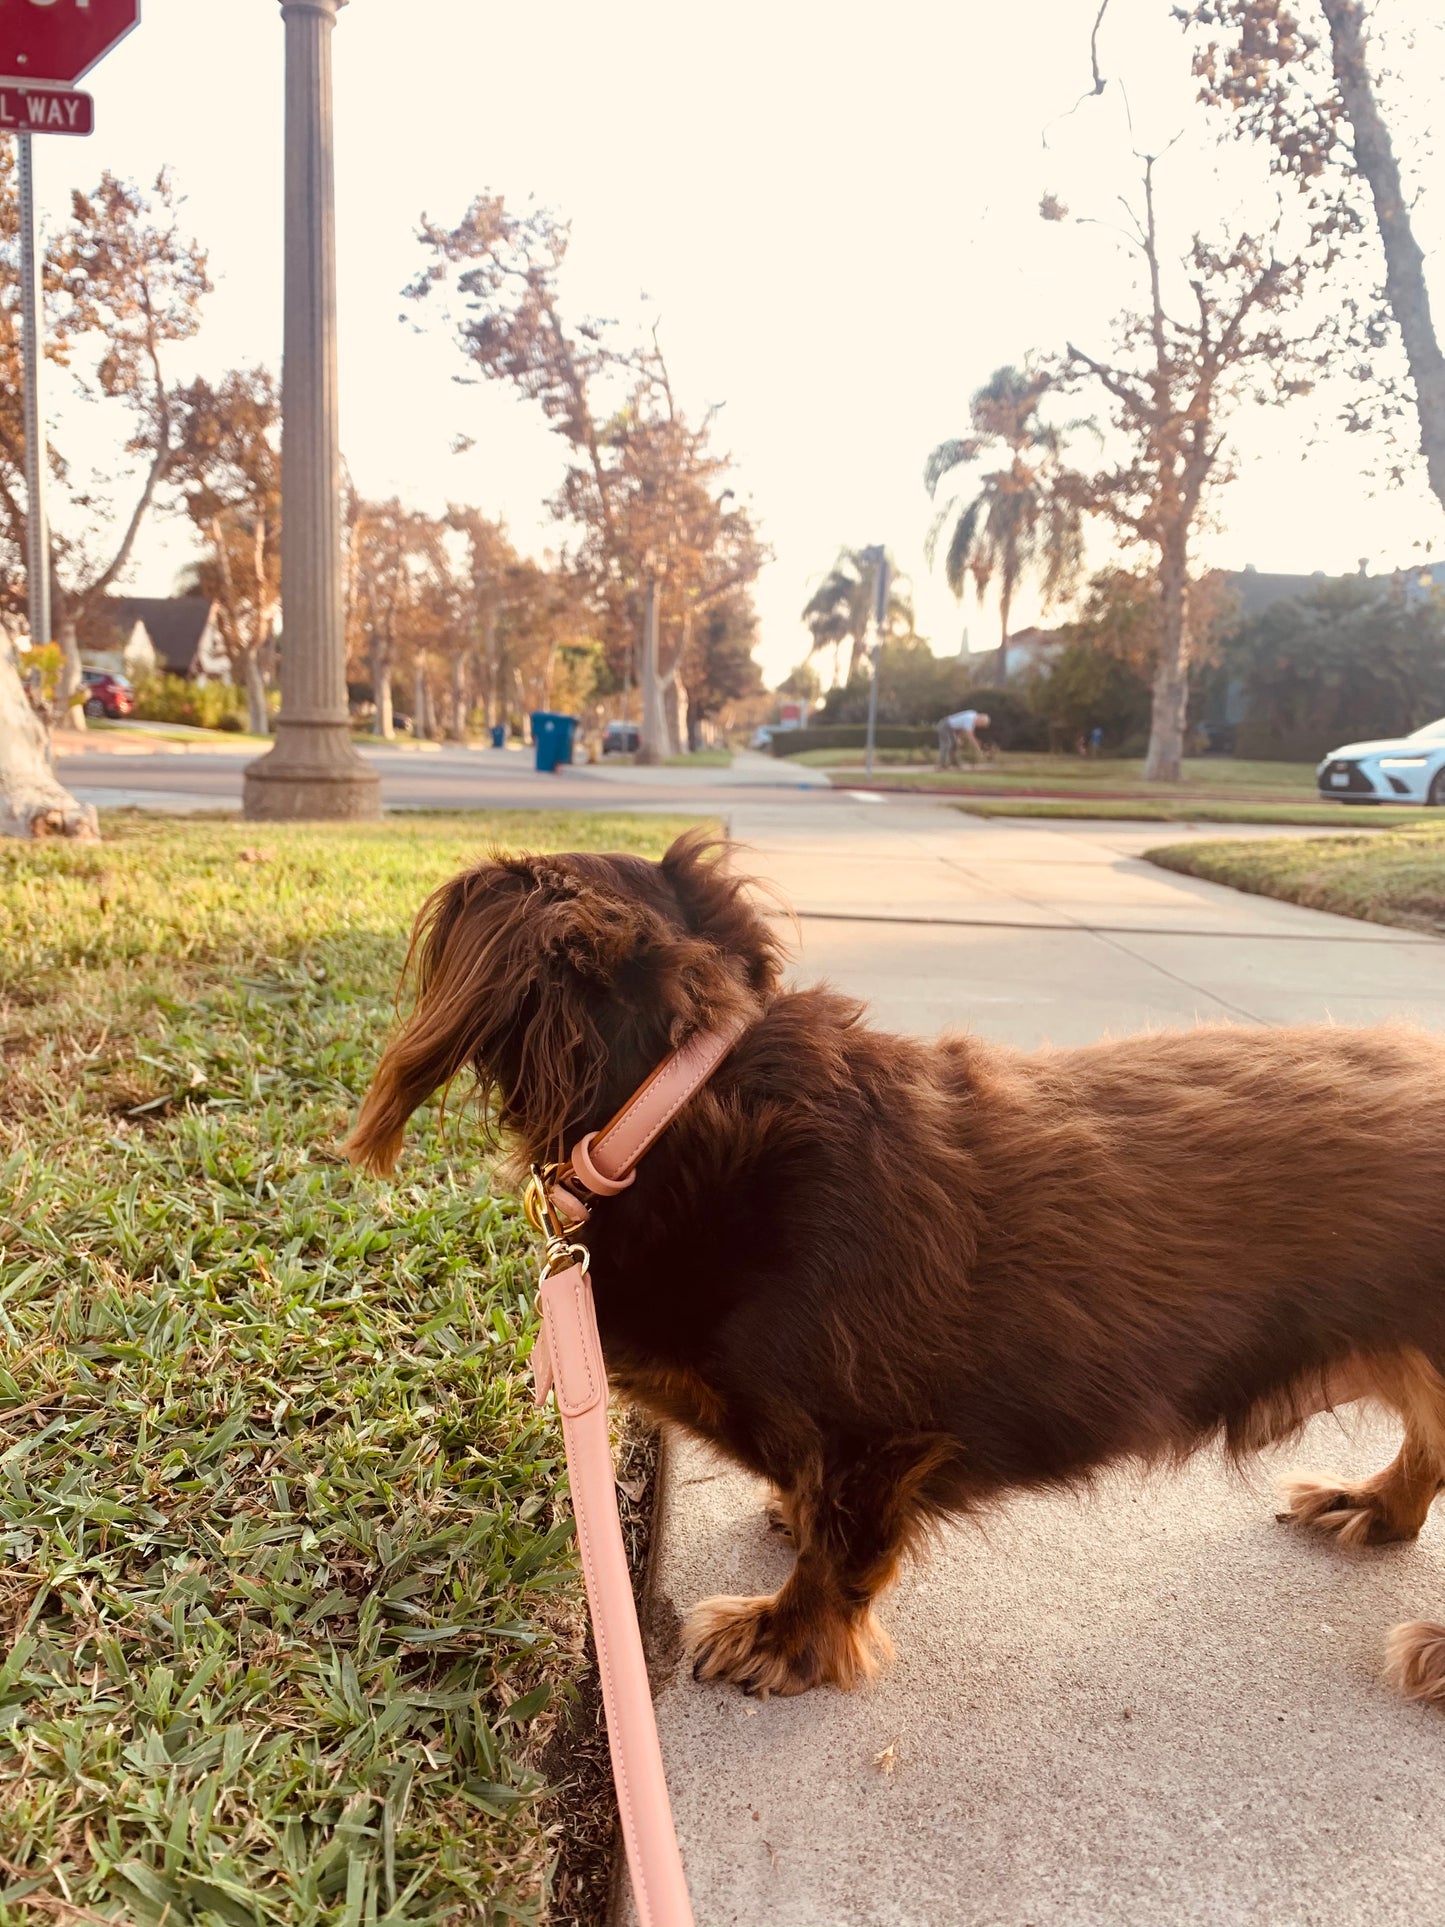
[
  {"x": 389, "y": 553},
  {"x": 1172, "y": 383},
  {"x": 642, "y": 487},
  {"x": 227, "y": 469},
  {"x": 1310, "y": 95},
  {"x": 120, "y": 282},
  {"x": 132, "y": 282}
]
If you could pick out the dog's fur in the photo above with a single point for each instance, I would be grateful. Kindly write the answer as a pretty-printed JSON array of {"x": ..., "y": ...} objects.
[{"x": 899, "y": 1278}]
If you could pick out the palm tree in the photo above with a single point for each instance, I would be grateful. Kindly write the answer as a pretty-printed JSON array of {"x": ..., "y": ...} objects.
[
  {"x": 840, "y": 609},
  {"x": 1023, "y": 519}
]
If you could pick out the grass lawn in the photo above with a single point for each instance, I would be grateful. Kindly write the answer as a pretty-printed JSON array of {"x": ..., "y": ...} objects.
[
  {"x": 1210, "y": 776},
  {"x": 1157, "y": 809},
  {"x": 141, "y": 732},
  {"x": 1398, "y": 877},
  {"x": 290, "y": 1626}
]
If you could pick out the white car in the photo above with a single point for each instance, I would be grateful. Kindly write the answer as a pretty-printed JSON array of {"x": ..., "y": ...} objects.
[{"x": 1405, "y": 769}]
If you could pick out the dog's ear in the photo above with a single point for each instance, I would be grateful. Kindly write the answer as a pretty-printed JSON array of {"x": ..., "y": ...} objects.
[
  {"x": 530, "y": 970},
  {"x": 453, "y": 962},
  {"x": 582, "y": 929},
  {"x": 717, "y": 906},
  {"x": 561, "y": 982}
]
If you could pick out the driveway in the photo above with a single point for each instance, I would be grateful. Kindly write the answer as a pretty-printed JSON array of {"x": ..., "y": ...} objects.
[{"x": 1146, "y": 1706}]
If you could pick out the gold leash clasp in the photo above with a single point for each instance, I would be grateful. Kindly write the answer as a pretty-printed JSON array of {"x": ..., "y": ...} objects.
[{"x": 558, "y": 1250}]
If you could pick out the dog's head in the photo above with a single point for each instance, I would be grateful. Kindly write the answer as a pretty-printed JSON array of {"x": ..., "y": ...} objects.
[{"x": 560, "y": 982}]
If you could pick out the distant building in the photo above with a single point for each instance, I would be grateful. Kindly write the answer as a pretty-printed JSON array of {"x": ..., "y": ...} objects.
[
  {"x": 1029, "y": 650},
  {"x": 1252, "y": 590},
  {"x": 1257, "y": 590},
  {"x": 138, "y": 635}
]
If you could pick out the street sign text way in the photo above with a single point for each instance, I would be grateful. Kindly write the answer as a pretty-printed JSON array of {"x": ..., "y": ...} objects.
[{"x": 45, "y": 113}]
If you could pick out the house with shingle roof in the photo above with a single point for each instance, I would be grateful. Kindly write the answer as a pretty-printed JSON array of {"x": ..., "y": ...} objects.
[{"x": 139, "y": 635}]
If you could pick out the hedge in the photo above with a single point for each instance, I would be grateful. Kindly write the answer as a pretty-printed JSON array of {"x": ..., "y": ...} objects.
[{"x": 792, "y": 742}]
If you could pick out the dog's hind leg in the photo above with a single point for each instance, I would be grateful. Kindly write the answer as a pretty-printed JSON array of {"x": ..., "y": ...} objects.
[
  {"x": 852, "y": 1524},
  {"x": 1394, "y": 1503}
]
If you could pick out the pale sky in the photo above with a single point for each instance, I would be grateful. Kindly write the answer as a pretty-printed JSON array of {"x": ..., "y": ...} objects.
[{"x": 831, "y": 209}]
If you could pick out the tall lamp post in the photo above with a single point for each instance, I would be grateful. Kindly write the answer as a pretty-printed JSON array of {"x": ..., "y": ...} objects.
[
  {"x": 314, "y": 770},
  {"x": 882, "y": 572}
]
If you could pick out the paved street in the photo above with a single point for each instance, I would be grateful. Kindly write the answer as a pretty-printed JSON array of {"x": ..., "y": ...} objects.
[
  {"x": 1149, "y": 1707},
  {"x": 447, "y": 777}
]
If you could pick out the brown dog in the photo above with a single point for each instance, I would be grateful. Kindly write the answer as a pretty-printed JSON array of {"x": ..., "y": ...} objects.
[{"x": 899, "y": 1278}]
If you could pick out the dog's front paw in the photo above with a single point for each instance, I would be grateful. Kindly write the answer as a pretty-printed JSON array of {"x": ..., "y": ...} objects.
[
  {"x": 779, "y": 1514},
  {"x": 1357, "y": 1515},
  {"x": 763, "y": 1647}
]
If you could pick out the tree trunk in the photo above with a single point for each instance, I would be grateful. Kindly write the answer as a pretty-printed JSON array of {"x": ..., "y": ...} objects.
[
  {"x": 258, "y": 719},
  {"x": 676, "y": 688},
  {"x": 494, "y": 694},
  {"x": 1005, "y": 608},
  {"x": 1164, "y": 762},
  {"x": 1405, "y": 286},
  {"x": 421, "y": 718},
  {"x": 652, "y": 733},
  {"x": 33, "y": 801},
  {"x": 674, "y": 706},
  {"x": 70, "y": 715},
  {"x": 384, "y": 723},
  {"x": 457, "y": 729}
]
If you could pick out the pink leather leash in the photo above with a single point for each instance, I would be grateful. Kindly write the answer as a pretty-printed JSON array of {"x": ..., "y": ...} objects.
[{"x": 567, "y": 1359}]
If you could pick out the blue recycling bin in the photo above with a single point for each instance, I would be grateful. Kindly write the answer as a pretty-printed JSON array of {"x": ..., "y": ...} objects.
[
  {"x": 499, "y": 736},
  {"x": 552, "y": 735}
]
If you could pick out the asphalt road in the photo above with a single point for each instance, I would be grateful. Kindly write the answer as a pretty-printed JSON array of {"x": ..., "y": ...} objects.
[{"x": 445, "y": 779}]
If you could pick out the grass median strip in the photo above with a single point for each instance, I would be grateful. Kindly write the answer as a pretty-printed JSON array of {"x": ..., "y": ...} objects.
[
  {"x": 1184, "y": 810},
  {"x": 1394, "y": 877},
  {"x": 289, "y": 1617},
  {"x": 1111, "y": 778}
]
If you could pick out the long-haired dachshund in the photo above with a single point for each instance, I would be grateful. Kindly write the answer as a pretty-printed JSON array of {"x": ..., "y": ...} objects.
[{"x": 900, "y": 1278}]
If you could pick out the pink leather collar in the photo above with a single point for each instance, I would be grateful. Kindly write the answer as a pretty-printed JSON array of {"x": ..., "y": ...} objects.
[{"x": 605, "y": 1162}]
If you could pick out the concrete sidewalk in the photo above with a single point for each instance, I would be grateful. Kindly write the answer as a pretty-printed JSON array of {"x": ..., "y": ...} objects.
[{"x": 1148, "y": 1707}]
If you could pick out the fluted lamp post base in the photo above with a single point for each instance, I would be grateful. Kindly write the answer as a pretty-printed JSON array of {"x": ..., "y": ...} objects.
[{"x": 314, "y": 773}]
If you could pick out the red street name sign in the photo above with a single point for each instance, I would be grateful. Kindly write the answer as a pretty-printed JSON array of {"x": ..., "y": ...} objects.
[
  {"x": 47, "y": 111},
  {"x": 59, "y": 40}
]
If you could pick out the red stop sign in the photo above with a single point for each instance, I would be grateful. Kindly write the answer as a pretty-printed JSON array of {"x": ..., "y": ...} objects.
[{"x": 59, "y": 40}]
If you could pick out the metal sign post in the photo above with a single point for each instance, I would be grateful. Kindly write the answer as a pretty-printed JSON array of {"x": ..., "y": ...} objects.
[
  {"x": 44, "y": 50},
  {"x": 32, "y": 325},
  {"x": 878, "y": 557}
]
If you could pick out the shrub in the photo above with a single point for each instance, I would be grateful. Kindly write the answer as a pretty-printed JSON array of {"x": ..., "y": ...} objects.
[
  {"x": 205, "y": 705},
  {"x": 1087, "y": 688},
  {"x": 1351, "y": 659},
  {"x": 792, "y": 742}
]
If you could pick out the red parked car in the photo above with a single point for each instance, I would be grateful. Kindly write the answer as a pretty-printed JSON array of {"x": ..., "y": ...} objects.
[{"x": 107, "y": 695}]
